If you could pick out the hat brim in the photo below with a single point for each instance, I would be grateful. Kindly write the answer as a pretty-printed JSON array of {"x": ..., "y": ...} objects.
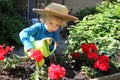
[{"x": 66, "y": 17}]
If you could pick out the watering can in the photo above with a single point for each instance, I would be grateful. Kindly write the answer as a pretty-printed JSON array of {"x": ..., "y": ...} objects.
[{"x": 42, "y": 45}]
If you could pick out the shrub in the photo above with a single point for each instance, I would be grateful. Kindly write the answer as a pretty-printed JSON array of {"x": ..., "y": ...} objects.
[
  {"x": 100, "y": 29},
  {"x": 11, "y": 23}
]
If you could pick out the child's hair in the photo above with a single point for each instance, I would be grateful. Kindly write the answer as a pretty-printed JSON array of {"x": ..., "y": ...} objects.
[{"x": 45, "y": 17}]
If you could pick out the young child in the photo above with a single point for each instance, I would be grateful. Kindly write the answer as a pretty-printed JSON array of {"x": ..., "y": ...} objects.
[{"x": 52, "y": 18}]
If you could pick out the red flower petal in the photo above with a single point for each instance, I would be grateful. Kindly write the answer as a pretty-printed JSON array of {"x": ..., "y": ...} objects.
[
  {"x": 1, "y": 57},
  {"x": 75, "y": 55},
  {"x": 104, "y": 66},
  {"x": 104, "y": 58},
  {"x": 92, "y": 55},
  {"x": 56, "y": 71},
  {"x": 85, "y": 48},
  {"x": 93, "y": 47},
  {"x": 37, "y": 55}
]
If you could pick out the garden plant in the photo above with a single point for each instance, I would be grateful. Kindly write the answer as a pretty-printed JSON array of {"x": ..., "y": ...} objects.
[
  {"x": 11, "y": 23},
  {"x": 93, "y": 49},
  {"x": 101, "y": 29}
]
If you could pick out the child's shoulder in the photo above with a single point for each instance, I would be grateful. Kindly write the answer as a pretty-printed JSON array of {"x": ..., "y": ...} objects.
[{"x": 39, "y": 24}]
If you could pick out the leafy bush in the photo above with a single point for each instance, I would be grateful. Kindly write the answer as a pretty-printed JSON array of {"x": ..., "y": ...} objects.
[
  {"x": 101, "y": 29},
  {"x": 10, "y": 28},
  {"x": 11, "y": 23},
  {"x": 111, "y": 10}
]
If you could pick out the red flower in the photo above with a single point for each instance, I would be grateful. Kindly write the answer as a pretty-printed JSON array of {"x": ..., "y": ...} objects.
[
  {"x": 92, "y": 55},
  {"x": 56, "y": 71},
  {"x": 2, "y": 51},
  {"x": 96, "y": 64},
  {"x": 103, "y": 66},
  {"x": 8, "y": 49},
  {"x": 93, "y": 47},
  {"x": 1, "y": 57},
  {"x": 37, "y": 55},
  {"x": 75, "y": 55},
  {"x": 104, "y": 58},
  {"x": 85, "y": 48}
]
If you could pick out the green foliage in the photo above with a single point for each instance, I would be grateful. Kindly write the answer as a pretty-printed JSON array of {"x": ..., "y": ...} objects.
[
  {"x": 40, "y": 73},
  {"x": 112, "y": 0},
  {"x": 10, "y": 28},
  {"x": 11, "y": 61},
  {"x": 115, "y": 66},
  {"x": 102, "y": 29},
  {"x": 111, "y": 10},
  {"x": 84, "y": 12},
  {"x": 11, "y": 23},
  {"x": 91, "y": 72},
  {"x": 7, "y": 7}
]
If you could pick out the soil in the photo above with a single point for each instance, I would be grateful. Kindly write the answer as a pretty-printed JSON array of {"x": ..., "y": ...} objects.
[{"x": 21, "y": 73}]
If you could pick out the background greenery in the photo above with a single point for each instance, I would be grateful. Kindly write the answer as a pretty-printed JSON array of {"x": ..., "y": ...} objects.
[
  {"x": 102, "y": 28},
  {"x": 11, "y": 23}
]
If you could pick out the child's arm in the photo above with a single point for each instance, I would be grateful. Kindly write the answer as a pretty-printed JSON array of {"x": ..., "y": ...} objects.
[{"x": 25, "y": 36}]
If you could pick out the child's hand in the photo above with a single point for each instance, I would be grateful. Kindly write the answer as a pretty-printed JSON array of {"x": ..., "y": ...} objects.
[{"x": 30, "y": 52}]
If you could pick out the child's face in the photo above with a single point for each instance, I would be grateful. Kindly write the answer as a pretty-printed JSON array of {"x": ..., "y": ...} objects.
[{"x": 53, "y": 24}]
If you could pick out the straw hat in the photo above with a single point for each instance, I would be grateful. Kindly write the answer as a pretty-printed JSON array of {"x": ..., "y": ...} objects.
[{"x": 57, "y": 10}]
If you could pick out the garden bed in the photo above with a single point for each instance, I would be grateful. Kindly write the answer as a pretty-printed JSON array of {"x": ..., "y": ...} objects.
[
  {"x": 27, "y": 68},
  {"x": 24, "y": 71},
  {"x": 20, "y": 73}
]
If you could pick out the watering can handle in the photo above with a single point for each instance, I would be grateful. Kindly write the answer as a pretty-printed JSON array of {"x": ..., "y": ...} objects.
[{"x": 55, "y": 44}]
